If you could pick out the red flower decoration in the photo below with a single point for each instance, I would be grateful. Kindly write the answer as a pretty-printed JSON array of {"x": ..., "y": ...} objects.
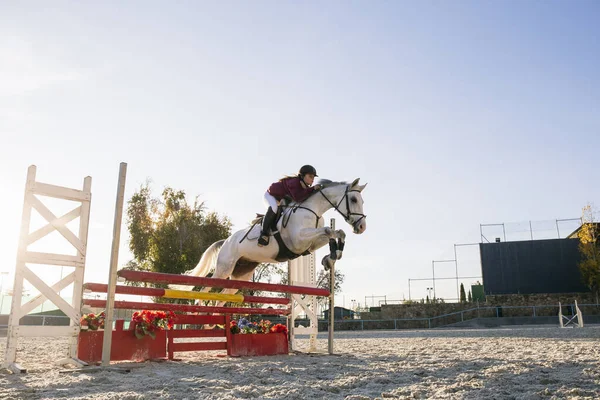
[
  {"x": 263, "y": 327},
  {"x": 147, "y": 322},
  {"x": 93, "y": 321},
  {"x": 279, "y": 328}
]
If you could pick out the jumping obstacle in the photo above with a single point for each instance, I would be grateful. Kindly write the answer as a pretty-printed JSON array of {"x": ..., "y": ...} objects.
[
  {"x": 576, "y": 321},
  {"x": 235, "y": 345},
  {"x": 188, "y": 280},
  {"x": 126, "y": 346}
]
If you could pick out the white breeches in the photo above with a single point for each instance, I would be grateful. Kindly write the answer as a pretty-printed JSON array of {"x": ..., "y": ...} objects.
[{"x": 271, "y": 201}]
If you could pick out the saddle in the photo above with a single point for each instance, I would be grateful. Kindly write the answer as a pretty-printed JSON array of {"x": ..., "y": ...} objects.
[
  {"x": 284, "y": 254},
  {"x": 285, "y": 202}
]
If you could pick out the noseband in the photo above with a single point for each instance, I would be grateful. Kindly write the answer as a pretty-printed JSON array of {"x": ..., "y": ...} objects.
[{"x": 349, "y": 213}]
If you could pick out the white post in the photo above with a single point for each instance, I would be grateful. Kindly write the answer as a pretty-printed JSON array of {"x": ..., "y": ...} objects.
[
  {"x": 114, "y": 261},
  {"x": 579, "y": 315},
  {"x": 17, "y": 297},
  {"x": 77, "y": 294},
  {"x": 560, "y": 316},
  {"x": 331, "y": 297}
]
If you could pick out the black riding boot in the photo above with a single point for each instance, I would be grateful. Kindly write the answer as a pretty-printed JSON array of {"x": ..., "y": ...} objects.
[{"x": 267, "y": 223}]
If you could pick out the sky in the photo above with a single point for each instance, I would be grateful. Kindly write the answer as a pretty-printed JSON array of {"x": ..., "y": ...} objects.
[{"x": 456, "y": 114}]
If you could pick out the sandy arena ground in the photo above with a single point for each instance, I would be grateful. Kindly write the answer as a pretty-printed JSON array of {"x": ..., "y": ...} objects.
[{"x": 504, "y": 363}]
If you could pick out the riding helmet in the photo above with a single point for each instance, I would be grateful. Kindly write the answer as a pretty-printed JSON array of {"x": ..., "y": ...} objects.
[{"x": 308, "y": 169}]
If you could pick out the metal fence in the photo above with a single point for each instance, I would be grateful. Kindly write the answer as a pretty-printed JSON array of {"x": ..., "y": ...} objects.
[{"x": 541, "y": 312}]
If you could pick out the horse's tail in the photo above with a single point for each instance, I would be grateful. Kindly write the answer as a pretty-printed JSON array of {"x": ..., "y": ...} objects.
[{"x": 207, "y": 262}]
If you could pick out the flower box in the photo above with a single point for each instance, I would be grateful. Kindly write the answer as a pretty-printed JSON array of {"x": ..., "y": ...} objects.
[
  {"x": 270, "y": 344},
  {"x": 125, "y": 345}
]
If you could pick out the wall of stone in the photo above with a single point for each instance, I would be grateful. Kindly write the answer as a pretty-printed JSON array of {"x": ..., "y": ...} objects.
[
  {"x": 499, "y": 304},
  {"x": 399, "y": 311},
  {"x": 541, "y": 299}
]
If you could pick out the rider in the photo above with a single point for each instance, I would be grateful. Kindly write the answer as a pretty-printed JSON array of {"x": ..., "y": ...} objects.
[{"x": 298, "y": 187}]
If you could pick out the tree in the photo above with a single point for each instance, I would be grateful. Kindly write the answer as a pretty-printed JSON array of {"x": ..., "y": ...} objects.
[
  {"x": 169, "y": 235},
  {"x": 323, "y": 279},
  {"x": 427, "y": 300},
  {"x": 469, "y": 297},
  {"x": 589, "y": 249},
  {"x": 463, "y": 296}
]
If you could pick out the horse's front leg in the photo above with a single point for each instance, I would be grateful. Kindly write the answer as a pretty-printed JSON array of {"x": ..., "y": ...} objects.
[
  {"x": 314, "y": 236},
  {"x": 320, "y": 237},
  {"x": 335, "y": 250},
  {"x": 339, "y": 246},
  {"x": 327, "y": 262}
]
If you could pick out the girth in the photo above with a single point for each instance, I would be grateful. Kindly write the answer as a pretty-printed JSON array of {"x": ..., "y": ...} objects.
[{"x": 286, "y": 254}]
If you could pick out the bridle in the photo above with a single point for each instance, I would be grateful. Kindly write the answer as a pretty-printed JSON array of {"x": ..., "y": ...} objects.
[
  {"x": 347, "y": 216},
  {"x": 349, "y": 213}
]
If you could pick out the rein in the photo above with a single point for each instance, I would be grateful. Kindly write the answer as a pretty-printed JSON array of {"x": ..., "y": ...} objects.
[
  {"x": 336, "y": 207},
  {"x": 346, "y": 217}
]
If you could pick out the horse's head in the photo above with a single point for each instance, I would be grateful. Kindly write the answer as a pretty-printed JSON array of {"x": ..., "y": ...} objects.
[{"x": 347, "y": 199}]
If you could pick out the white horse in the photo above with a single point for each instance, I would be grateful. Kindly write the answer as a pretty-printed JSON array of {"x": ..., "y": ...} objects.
[{"x": 301, "y": 231}]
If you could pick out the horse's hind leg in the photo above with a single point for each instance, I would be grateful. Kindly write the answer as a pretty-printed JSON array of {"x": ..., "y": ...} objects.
[
  {"x": 226, "y": 261},
  {"x": 225, "y": 265},
  {"x": 243, "y": 271}
]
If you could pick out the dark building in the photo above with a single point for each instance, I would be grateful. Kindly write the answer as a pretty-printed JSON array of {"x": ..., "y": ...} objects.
[
  {"x": 339, "y": 313},
  {"x": 533, "y": 266}
]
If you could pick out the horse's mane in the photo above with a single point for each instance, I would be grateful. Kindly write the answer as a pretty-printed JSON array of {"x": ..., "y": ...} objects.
[{"x": 329, "y": 183}]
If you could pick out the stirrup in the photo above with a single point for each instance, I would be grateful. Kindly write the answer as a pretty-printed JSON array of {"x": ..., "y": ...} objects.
[{"x": 263, "y": 240}]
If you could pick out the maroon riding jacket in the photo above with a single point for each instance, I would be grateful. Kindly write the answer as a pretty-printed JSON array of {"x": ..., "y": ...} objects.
[{"x": 291, "y": 187}]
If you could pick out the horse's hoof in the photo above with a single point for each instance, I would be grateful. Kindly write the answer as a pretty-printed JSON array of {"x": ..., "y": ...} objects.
[{"x": 325, "y": 262}]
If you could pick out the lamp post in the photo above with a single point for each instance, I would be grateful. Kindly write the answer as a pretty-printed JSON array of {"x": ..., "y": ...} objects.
[{"x": 429, "y": 290}]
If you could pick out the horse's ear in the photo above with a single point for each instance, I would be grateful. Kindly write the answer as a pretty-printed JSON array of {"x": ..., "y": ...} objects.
[{"x": 356, "y": 186}]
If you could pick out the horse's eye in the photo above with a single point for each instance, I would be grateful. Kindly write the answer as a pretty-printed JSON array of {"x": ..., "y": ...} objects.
[{"x": 353, "y": 199}]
